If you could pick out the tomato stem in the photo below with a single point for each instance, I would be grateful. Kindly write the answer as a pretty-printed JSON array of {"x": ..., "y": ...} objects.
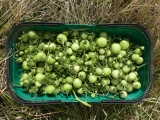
[
  {"x": 79, "y": 100},
  {"x": 140, "y": 66}
]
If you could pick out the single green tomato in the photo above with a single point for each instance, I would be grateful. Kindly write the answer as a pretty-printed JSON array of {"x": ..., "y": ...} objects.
[
  {"x": 67, "y": 87},
  {"x": 115, "y": 81},
  {"x": 124, "y": 44},
  {"x": 123, "y": 94},
  {"x": 39, "y": 77},
  {"x": 136, "y": 85},
  {"x": 92, "y": 78},
  {"x": 101, "y": 42},
  {"x": 69, "y": 79},
  {"x": 115, "y": 48},
  {"x": 50, "y": 89},
  {"x": 106, "y": 71},
  {"x": 115, "y": 74},
  {"x": 77, "y": 83},
  {"x": 61, "y": 39},
  {"x": 103, "y": 34},
  {"x": 112, "y": 89}
]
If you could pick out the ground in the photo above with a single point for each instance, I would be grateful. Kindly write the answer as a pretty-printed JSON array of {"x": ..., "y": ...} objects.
[{"x": 143, "y": 12}]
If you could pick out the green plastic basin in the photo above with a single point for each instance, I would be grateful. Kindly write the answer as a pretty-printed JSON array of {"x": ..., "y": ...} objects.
[{"x": 134, "y": 32}]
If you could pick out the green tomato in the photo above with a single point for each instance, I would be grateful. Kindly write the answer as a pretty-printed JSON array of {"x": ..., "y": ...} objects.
[
  {"x": 133, "y": 68},
  {"x": 80, "y": 91},
  {"x": 82, "y": 75},
  {"x": 123, "y": 82},
  {"x": 77, "y": 83},
  {"x": 115, "y": 81},
  {"x": 124, "y": 44},
  {"x": 48, "y": 67},
  {"x": 72, "y": 58},
  {"x": 39, "y": 77},
  {"x": 92, "y": 55},
  {"x": 24, "y": 38},
  {"x": 52, "y": 46},
  {"x": 66, "y": 33},
  {"x": 101, "y": 57},
  {"x": 112, "y": 89},
  {"x": 126, "y": 69},
  {"x": 21, "y": 46},
  {"x": 120, "y": 87},
  {"x": 61, "y": 39},
  {"x": 75, "y": 46},
  {"x": 136, "y": 85},
  {"x": 85, "y": 57},
  {"x": 49, "y": 89},
  {"x": 24, "y": 76},
  {"x": 119, "y": 56},
  {"x": 85, "y": 45},
  {"x": 99, "y": 71},
  {"x": 19, "y": 59},
  {"x": 101, "y": 51},
  {"x": 137, "y": 51},
  {"x": 139, "y": 60},
  {"x": 68, "y": 44},
  {"x": 123, "y": 94},
  {"x": 116, "y": 65},
  {"x": 84, "y": 35},
  {"x": 69, "y": 79},
  {"x": 92, "y": 78},
  {"x": 76, "y": 68},
  {"x": 123, "y": 53},
  {"x": 40, "y": 70},
  {"x": 53, "y": 76},
  {"x": 75, "y": 33},
  {"x": 69, "y": 51},
  {"x": 106, "y": 71},
  {"x": 101, "y": 42},
  {"x": 135, "y": 57},
  {"x": 129, "y": 87},
  {"x": 115, "y": 74},
  {"x": 32, "y": 35},
  {"x": 25, "y": 65},
  {"x": 105, "y": 82},
  {"x": 38, "y": 84},
  {"x": 108, "y": 53},
  {"x": 129, "y": 62},
  {"x": 79, "y": 61},
  {"x": 132, "y": 76},
  {"x": 142, "y": 48},
  {"x": 67, "y": 87},
  {"x": 103, "y": 34},
  {"x": 115, "y": 48},
  {"x": 93, "y": 95},
  {"x": 50, "y": 59},
  {"x": 41, "y": 56}
]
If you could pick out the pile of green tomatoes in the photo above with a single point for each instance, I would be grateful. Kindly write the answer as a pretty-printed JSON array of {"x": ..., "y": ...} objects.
[{"x": 78, "y": 62}]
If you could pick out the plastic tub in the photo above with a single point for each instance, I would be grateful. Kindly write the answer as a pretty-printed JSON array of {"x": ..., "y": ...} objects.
[{"x": 134, "y": 32}]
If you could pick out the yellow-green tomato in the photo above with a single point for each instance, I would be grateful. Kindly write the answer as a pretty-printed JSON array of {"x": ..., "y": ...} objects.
[
  {"x": 136, "y": 85},
  {"x": 67, "y": 87},
  {"x": 124, "y": 44},
  {"x": 106, "y": 71},
  {"x": 101, "y": 42},
  {"x": 92, "y": 78},
  {"x": 123, "y": 94},
  {"x": 49, "y": 89},
  {"x": 77, "y": 83},
  {"x": 61, "y": 39},
  {"x": 115, "y": 48}
]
